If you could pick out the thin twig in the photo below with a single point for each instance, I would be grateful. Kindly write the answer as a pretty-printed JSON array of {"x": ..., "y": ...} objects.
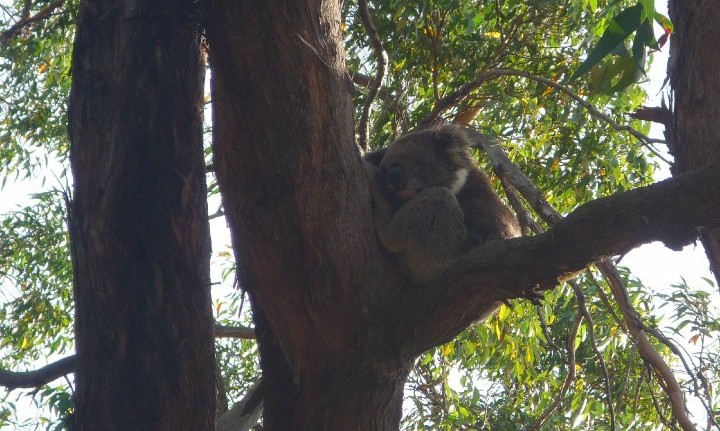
[
  {"x": 582, "y": 305},
  {"x": 382, "y": 61},
  {"x": 543, "y": 326},
  {"x": 394, "y": 103},
  {"x": 605, "y": 300},
  {"x": 668, "y": 424},
  {"x": 568, "y": 378}
]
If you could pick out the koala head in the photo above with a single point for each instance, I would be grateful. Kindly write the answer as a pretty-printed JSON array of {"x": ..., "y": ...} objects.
[{"x": 427, "y": 158}]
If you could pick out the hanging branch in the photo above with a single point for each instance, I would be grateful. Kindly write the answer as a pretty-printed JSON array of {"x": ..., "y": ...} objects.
[
  {"x": 461, "y": 93},
  {"x": 647, "y": 351},
  {"x": 382, "y": 61},
  {"x": 696, "y": 388},
  {"x": 537, "y": 201}
]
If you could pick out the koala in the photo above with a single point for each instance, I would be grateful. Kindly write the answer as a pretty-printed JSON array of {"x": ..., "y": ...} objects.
[
  {"x": 440, "y": 158},
  {"x": 427, "y": 234},
  {"x": 431, "y": 203}
]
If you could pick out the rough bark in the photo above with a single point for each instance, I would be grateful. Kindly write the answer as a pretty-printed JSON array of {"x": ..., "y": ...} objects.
[
  {"x": 140, "y": 237},
  {"x": 694, "y": 136},
  {"x": 298, "y": 205},
  {"x": 337, "y": 326}
]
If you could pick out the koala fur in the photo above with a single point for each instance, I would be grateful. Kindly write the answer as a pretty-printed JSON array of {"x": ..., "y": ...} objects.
[
  {"x": 426, "y": 234},
  {"x": 440, "y": 158},
  {"x": 432, "y": 203}
]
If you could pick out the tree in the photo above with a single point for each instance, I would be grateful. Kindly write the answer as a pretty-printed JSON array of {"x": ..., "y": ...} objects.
[
  {"x": 339, "y": 329},
  {"x": 138, "y": 225}
]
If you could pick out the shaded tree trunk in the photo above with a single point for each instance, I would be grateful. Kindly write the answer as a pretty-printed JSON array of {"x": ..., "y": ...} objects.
[
  {"x": 298, "y": 204},
  {"x": 693, "y": 68},
  {"x": 138, "y": 221}
]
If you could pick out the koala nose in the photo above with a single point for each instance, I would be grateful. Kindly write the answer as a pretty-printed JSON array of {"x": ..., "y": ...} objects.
[{"x": 396, "y": 177}]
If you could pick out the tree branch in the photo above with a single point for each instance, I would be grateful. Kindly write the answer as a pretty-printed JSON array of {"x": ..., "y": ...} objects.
[
  {"x": 694, "y": 376},
  {"x": 670, "y": 211},
  {"x": 382, "y": 61},
  {"x": 7, "y": 35},
  {"x": 222, "y": 331},
  {"x": 647, "y": 351},
  {"x": 633, "y": 324},
  {"x": 32, "y": 379},
  {"x": 246, "y": 413}
]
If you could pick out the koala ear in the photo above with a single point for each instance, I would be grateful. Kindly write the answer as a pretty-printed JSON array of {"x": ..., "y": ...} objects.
[
  {"x": 451, "y": 137},
  {"x": 375, "y": 157}
]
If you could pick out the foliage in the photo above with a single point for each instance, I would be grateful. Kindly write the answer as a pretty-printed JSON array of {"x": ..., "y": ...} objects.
[
  {"x": 499, "y": 374},
  {"x": 36, "y": 286},
  {"x": 35, "y": 71}
]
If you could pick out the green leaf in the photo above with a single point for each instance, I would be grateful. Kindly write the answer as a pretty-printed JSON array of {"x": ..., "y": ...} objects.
[
  {"x": 619, "y": 29},
  {"x": 664, "y": 22},
  {"x": 646, "y": 36},
  {"x": 648, "y": 9}
]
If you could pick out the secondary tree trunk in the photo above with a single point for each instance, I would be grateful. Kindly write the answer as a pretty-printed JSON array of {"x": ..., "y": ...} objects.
[
  {"x": 138, "y": 220},
  {"x": 693, "y": 68}
]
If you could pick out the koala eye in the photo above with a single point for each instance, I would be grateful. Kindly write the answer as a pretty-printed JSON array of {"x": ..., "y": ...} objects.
[{"x": 396, "y": 176}]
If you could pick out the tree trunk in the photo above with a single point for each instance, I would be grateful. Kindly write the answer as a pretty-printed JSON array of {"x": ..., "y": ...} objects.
[
  {"x": 298, "y": 205},
  {"x": 138, "y": 221},
  {"x": 694, "y": 138}
]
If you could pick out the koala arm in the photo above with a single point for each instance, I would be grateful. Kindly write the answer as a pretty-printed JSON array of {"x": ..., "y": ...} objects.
[{"x": 427, "y": 233}]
